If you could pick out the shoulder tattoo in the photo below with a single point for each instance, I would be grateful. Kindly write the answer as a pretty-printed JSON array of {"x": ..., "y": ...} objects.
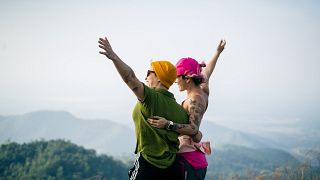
[{"x": 196, "y": 110}]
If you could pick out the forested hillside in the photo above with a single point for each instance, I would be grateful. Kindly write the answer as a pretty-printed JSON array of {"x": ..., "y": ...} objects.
[
  {"x": 60, "y": 159},
  {"x": 56, "y": 159}
]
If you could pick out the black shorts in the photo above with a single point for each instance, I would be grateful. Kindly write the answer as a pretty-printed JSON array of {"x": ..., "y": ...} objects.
[{"x": 143, "y": 170}]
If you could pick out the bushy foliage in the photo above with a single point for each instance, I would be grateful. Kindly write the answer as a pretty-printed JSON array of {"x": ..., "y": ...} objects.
[{"x": 56, "y": 159}]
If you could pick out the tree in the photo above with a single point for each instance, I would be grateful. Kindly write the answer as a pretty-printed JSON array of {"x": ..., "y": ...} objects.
[{"x": 56, "y": 159}]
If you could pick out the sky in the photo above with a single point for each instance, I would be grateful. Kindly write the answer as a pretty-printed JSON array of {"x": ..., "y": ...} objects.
[{"x": 268, "y": 72}]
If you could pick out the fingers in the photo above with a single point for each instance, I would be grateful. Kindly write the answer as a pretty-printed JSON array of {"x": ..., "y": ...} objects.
[
  {"x": 102, "y": 52},
  {"x": 103, "y": 45},
  {"x": 152, "y": 122},
  {"x": 156, "y": 117},
  {"x": 222, "y": 42},
  {"x": 101, "y": 41},
  {"x": 106, "y": 47},
  {"x": 104, "y": 41},
  {"x": 221, "y": 45}
]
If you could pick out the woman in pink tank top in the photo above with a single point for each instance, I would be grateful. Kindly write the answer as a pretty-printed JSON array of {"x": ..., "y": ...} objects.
[{"x": 194, "y": 80}]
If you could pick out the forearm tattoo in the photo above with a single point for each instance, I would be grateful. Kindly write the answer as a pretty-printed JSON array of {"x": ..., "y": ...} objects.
[
  {"x": 128, "y": 77},
  {"x": 179, "y": 126}
]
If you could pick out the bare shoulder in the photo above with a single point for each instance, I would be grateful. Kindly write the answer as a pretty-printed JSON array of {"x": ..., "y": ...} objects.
[
  {"x": 198, "y": 97},
  {"x": 198, "y": 101}
]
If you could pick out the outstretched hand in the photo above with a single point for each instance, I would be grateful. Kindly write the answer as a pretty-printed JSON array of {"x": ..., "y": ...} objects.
[
  {"x": 158, "y": 122},
  {"x": 221, "y": 45},
  {"x": 105, "y": 45}
]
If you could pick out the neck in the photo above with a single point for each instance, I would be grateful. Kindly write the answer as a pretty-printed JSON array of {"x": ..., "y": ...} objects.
[
  {"x": 160, "y": 86},
  {"x": 192, "y": 88}
]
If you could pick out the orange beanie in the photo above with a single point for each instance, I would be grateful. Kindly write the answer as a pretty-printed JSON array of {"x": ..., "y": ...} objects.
[{"x": 165, "y": 71}]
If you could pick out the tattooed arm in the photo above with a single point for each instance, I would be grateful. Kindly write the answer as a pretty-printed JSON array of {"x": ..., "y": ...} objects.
[
  {"x": 183, "y": 129},
  {"x": 195, "y": 109},
  {"x": 124, "y": 70}
]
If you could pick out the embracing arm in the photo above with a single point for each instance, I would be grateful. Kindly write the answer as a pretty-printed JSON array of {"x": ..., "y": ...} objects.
[
  {"x": 184, "y": 129},
  {"x": 196, "y": 109},
  {"x": 126, "y": 73}
]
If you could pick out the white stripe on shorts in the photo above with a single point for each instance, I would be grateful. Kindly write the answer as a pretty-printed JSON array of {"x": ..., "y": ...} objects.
[{"x": 136, "y": 167}]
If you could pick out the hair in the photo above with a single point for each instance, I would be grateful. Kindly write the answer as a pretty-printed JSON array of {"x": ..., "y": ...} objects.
[{"x": 196, "y": 80}]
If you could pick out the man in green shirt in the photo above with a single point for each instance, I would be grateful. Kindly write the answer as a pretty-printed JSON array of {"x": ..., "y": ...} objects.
[{"x": 157, "y": 147}]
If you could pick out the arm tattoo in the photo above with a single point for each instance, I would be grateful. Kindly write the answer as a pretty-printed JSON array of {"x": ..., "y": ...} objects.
[
  {"x": 125, "y": 71},
  {"x": 196, "y": 110},
  {"x": 127, "y": 77},
  {"x": 178, "y": 126}
]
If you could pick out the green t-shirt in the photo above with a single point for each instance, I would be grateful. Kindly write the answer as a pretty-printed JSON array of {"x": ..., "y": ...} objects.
[{"x": 157, "y": 146}]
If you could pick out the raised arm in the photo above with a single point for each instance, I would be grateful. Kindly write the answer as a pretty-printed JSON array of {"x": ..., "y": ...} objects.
[
  {"x": 126, "y": 73},
  {"x": 207, "y": 71}
]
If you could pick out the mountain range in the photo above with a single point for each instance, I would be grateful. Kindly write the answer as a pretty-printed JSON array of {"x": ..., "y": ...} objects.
[
  {"x": 107, "y": 136},
  {"x": 104, "y": 136}
]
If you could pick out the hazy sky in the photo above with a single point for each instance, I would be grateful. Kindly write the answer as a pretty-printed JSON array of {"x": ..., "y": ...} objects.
[{"x": 269, "y": 70}]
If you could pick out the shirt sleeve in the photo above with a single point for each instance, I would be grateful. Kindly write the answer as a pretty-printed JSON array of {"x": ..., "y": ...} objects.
[{"x": 150, "y": 99}]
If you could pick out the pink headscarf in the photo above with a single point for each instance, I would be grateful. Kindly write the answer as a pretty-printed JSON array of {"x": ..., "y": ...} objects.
[{"x": 189, "y": 67}]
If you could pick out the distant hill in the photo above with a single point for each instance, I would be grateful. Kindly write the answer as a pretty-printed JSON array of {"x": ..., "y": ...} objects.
[
  {"x": 105, "y": 136},
  {"x": 220, "y": 135},
  {"x": 56, "y": 159},
  {"x": 102, "y": 135},
  {"x": 231, "y": 160}
]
